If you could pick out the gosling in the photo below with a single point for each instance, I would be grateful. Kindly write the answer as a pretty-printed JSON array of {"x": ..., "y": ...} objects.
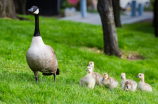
[
  {"x": 142, "y": 85},
  {"x": 88, "y": 80},
  {"x": 96, "y": 75},
  {"x": 109, "y": 82},
  {"x": 132, "y": 83},
  {"x": 129, "y": 86}
]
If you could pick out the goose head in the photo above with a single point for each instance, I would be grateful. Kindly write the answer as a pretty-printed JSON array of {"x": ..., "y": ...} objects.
[
  {"x": 123, "y": 76},
  {"x": 127, "y": 85},
  {"x": 91, "y": 63},
  {"x": 34, "y": 10},
  {"x": 105, "y": 76},
  {"x": 140, "y": 76},
  {"x": 89, "y": 69}
]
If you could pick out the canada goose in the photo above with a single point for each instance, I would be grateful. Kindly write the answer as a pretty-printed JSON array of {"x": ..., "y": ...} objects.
[
  {"x": 88, "y": 80},
  {"x": 41, "y": 57},
  {"x": 109, "y": 82},
  {"x": 130, "y": 86},
  {"x": 142, "y": 85},
  {"x": 132, "y": 83}
]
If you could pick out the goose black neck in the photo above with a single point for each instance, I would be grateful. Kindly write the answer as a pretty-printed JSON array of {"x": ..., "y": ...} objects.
[{"x": 37, "y": 32}]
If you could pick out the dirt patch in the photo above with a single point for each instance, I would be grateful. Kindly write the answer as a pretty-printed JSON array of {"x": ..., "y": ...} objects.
[
  {"x": 126, "y": 55},
  {"x": 94, "y": 49},
  {"x": 132, "y": 56}
]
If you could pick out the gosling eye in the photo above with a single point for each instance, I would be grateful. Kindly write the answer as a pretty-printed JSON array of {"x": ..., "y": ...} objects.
[{"x": 139, "y": 75}]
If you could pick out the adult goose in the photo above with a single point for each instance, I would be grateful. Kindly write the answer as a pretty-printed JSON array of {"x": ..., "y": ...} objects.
[{"x": 41, "y": 57}]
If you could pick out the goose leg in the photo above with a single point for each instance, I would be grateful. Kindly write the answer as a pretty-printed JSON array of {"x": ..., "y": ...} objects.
[
  {"x": 36, "y": 75},
  {"x": 54, "y": 77}
]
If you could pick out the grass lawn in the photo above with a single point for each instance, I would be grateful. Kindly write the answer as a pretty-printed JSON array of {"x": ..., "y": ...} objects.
[{"x": 73, "y": 44}]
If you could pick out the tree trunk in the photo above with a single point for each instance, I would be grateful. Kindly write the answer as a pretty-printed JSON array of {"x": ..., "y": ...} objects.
[
  {"x": 116, "y": 10},
  {"x": 109, "y": 30},
  {"x": 20, "y": 6},
  {"x": 156, "y": 17},
  {"x": 7, "y": 9}
]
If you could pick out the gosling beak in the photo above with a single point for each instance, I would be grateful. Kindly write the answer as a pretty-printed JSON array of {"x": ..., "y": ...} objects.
[
  {"x": 103, "y": 79},
  {"x": 127, "y": 87},
  {"x": 87, "y": 70},
  {"x": 121, "y": 77},
  {"x": 88, "y": 64},
  {"x": 137, "y": 76},
  {"x": 30, "y": 10}
]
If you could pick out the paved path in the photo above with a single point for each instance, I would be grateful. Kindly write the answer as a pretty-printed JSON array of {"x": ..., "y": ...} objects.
[{"x": 94, "y": 18}]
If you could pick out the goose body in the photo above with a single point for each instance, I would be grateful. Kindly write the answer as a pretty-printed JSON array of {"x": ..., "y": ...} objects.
[
  {"x": 132, "y": 85},
  {"x": 142, "y": 85},
  {"x": 41, "y": 57},
  {"x": 98, "y": 78}
]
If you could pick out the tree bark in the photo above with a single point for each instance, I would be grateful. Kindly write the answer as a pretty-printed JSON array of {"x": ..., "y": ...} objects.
[
  {"x": 7, "y": 9},
  {"x": 116, "y": 10},
  {"x": 156, "y": 17},
  {"x": 20, "y": 6},
  {"x": 109, "y": 30}
]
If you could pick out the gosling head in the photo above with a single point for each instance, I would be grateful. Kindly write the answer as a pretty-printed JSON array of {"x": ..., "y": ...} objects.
[
  {"x": 140, "y": 76},
  {"x": 105, "y": 76},
  {"x": 127, "y": 85},
  {"x": 123, "y": 76},
  {"x": 34, "y": 10},
  {"x": 89, "y": 69},
  {"x": 91, "y": 63}
]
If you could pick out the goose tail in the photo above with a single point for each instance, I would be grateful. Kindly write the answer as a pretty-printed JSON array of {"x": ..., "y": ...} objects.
[{"x": 57, "y": 72}]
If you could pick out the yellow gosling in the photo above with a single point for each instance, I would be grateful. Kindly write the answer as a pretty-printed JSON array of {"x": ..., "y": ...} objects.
[
  {"x": 96, "y": 75},
  {"x": 98, "y": 78},
  {"x": 142, "y": 85},
  {"x": 129, "y": 86},
  {"x": 88, "y": 80},
  {"x": 109, "y": 82},
  {"x": 131, "y": 83}
]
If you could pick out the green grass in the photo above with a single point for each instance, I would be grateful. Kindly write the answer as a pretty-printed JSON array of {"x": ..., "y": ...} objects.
[{"x": 17, "y": 82}]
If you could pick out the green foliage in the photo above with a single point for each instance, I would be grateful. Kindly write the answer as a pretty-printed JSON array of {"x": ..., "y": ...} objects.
[{"x": 17, "y": 82}]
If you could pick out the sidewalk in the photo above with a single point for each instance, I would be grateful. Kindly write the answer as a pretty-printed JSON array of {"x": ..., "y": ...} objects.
[{"x": 94, "y": 18}]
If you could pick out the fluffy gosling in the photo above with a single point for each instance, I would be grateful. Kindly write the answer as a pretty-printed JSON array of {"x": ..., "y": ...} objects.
[
  {"x": 129, "y": 86},
  {"x": 96, "y": 75},
  {"x": 109, "y": 82},
  {"x": 142, "y": 85},
  {"x": 88, "y": 80},
  {"x": 132, "y": 85}
]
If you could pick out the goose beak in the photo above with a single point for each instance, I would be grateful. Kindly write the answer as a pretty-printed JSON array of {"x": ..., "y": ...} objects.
[
  {"x": 121, "y": 77},
  {"x": 103, "y": 79},
  {"x": 87, "y": 69},
  {"x": 88, "y": 64},
  {"x": 127, "y": 87},
  {"x": 30, "y": 10},
  {"x": 137, "y": 76}
]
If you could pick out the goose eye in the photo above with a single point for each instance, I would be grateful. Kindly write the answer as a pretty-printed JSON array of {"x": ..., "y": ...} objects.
[{"x": 139, "y": 75}]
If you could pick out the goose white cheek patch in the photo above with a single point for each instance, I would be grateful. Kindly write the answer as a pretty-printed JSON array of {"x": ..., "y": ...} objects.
[{"x": 37, "y": 11}]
